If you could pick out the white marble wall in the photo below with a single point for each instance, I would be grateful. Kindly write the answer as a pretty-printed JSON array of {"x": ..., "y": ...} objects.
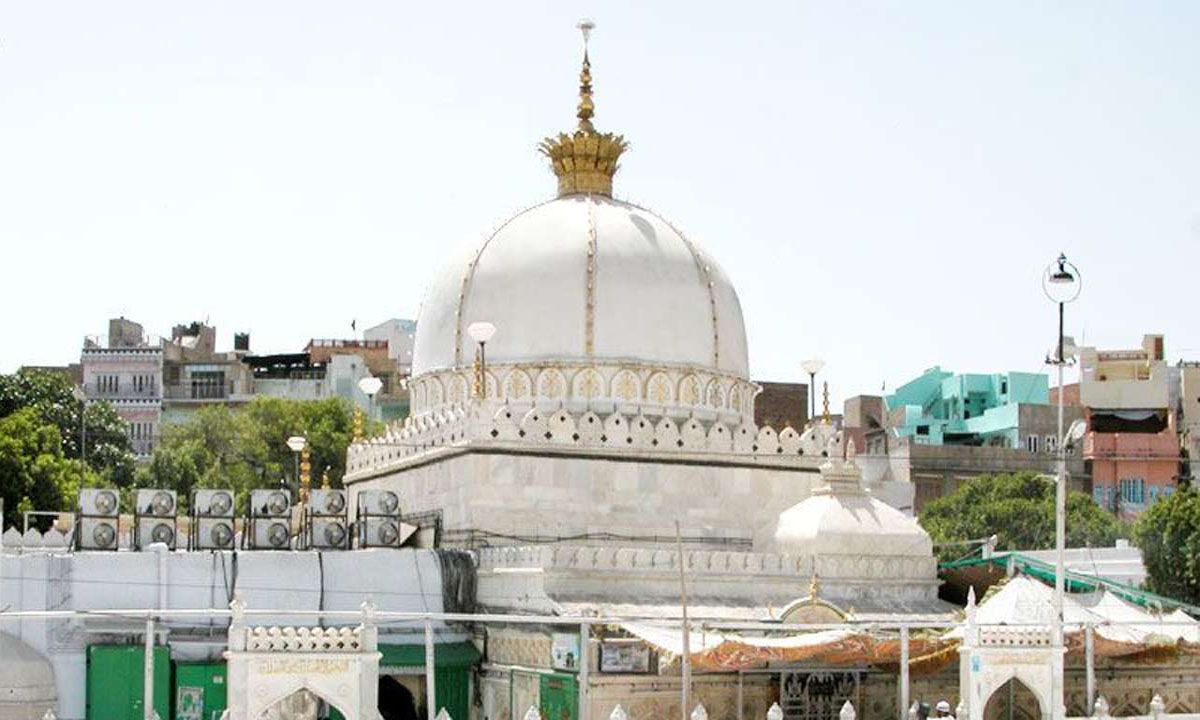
[{"x": 530, "y": 494}]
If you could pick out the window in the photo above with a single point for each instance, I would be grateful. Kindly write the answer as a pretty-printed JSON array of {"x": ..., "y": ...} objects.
[
  {"x": 1031, "y": 443},
  {"x": 1051, "y": 443},
  {"x": 1133, "y": 491},
  {"x": 1003, "y": 387},
  {"x": 922, "y": 429}
]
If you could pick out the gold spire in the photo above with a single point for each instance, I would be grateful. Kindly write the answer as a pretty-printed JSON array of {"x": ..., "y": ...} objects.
[
  {"x": 825, "y": 401},
  {"x": 585, "y": 160}
]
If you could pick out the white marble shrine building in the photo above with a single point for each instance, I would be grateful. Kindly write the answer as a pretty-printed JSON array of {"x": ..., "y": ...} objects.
[
  {"x": 613, "y": 402},
  {"x": 612, "y": 405}
]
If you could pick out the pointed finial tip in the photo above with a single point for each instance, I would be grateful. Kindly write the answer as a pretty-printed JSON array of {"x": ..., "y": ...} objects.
[{"x": 586, "y": 26}]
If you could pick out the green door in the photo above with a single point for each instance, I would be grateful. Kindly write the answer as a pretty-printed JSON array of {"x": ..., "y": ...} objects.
[
  {"x": 115, "y": 680},
  {"x": 558, "y": 697},
  {"x": 199, "y": 690}
]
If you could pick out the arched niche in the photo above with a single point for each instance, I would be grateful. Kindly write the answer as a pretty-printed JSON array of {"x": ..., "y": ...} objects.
[{"x": 268, "y": 667}]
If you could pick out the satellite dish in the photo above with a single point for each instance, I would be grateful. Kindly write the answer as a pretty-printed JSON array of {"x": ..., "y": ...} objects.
[{"x": 1076, "y": 432}]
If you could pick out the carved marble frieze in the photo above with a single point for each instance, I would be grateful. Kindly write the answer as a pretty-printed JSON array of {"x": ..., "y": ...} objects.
[{"x": 652, "y": 389}]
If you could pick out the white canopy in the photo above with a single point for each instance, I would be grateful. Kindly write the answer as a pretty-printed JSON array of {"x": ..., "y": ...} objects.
[{"x": 1024, "y": 601}]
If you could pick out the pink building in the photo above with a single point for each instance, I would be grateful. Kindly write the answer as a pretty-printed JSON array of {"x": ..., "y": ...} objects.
[
  {"x": 1132, "y": 446},
  {"x": 1131, "y": 470}
]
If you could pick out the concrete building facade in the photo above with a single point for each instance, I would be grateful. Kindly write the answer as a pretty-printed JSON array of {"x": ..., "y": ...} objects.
[
  {"x": 1132, "y": 448},
  {"x": 125, "y": 369}
]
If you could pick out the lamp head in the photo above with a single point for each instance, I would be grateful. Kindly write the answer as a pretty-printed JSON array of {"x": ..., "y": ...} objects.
[
  {"x": 812, "y": 366},
  {"x": 1062, "y": 274},
  {"x": 481, "y": 332},
  {"x": 1061, "y": 280},
  {"x": 296, "y": 443},
  {"x": 370, "y": 385}
]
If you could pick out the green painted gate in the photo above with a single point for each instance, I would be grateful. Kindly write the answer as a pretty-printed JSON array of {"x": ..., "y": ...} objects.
[
  {"x": 558, "y": 697},
  {"x": 115, "y": 681},
  {"x": 200, "y": 692},
  {"x": 452, "y": 663}
]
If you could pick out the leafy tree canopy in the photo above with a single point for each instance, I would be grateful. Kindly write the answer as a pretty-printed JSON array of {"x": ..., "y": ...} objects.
[
  {"x": 35, "y": 473},
  {"x": 247, "y": 448},
  {"x": 1168, "y": 534},
  {"x": 50, "y": 396},
  {"x": 1019, "y": 510}
]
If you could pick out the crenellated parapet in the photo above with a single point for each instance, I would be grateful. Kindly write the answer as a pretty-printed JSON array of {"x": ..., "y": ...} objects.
[{"x": 557, "y": 427}]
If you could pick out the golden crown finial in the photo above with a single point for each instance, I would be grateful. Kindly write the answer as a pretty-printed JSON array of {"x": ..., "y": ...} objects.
[{"x": 586, "y": 160}]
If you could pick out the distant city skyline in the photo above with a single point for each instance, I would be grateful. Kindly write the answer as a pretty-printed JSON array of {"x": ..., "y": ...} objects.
[{"x": 883, "y": 183}]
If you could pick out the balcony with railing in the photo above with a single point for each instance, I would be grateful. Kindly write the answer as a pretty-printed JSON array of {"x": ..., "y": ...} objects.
[{"x": 1132, "y": 446}]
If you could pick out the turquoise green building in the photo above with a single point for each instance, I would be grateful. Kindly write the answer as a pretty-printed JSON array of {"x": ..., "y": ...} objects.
[{"x": 942, "y": 408}]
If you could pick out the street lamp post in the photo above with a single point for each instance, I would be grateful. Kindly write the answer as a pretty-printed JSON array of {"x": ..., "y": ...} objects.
[
  {"x": 370, "y": 385},
  {"x": 1061, "y": 282},
  {"x": 81, "y": 397},
  {"x": 481, "y": 332},
  {"x": 812, "y": 366},
  {"x": 296, "y": 444}
]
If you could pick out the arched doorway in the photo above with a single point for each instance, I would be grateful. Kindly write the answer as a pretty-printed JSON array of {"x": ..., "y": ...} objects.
[
  {"x": 396, "y": 702},
  {"x": 302, "y": 673},
  {"x": 1013, "y": 701},
  {"x": 301, "y": 704}
]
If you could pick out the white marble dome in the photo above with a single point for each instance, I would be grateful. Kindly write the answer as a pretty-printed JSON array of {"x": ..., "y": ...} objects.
[
  {"x": 841, "y": 519},
  {"x": 656, "y": 296},
  {"x": 586, "y": 281},
  {"x": 27, "y": 689}
]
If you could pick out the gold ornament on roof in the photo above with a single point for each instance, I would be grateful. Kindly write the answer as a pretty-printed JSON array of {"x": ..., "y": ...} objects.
[{"x": 586, "y": 160}]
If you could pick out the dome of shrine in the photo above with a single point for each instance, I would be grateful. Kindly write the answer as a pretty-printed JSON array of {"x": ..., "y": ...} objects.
[{"x": 592, "y": 299}]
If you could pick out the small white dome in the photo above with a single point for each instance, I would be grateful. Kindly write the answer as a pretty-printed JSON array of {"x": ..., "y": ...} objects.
[
  {"x": 584, "y": 278},
  {"x": 843, "y": 519},
  {"x": 27, "y": 687}
]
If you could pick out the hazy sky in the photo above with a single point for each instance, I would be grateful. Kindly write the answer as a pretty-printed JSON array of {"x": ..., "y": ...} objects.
[{"x": 883, "y": 182}]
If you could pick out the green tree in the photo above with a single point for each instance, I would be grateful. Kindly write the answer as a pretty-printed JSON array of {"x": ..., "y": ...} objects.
[
  {"x": 1019, "y": 510},
  {"x": 35, "y": 474},
  {"x": 247, "y": 448},
  {"x": 51, "y": 396},
  {"x": 1168, "y": 534}
]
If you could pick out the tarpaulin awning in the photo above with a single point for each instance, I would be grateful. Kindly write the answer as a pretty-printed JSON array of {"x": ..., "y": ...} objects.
[{"x": 727, "y": 651}]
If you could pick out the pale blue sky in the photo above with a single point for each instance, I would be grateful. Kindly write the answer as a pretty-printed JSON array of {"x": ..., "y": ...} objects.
[{"x": 882, "y": 181}]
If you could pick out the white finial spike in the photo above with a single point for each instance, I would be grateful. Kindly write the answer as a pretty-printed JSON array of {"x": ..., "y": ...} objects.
[
  {"x": 913, "y": 710},
  {"x": 775, "y": 712},
  {"x": 49, "y": 715},
  {"x": 699, "y": 713},
  {"x": 618, "y": 713},
  {"x": 586, "y": 26},
  {"x": 847, "y": 712},
  {"x": 1157, "y": 706},
  {"x": 442, "y": 715},
  {"x": 1101, "y": 709},
  {"x": 971, "y": 597},
  {"x": 532, "y": 714}
]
